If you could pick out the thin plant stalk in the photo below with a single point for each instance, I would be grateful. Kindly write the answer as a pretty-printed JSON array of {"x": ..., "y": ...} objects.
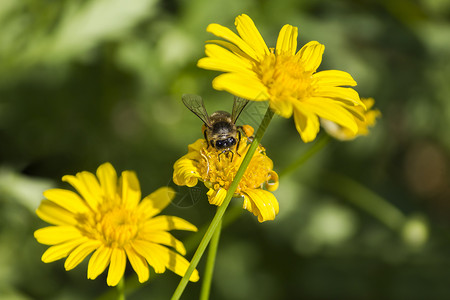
[
  {"x": 221, "y": 210},
  {"x": 121, "y": 289},
  {"x": 209, "y": 269},
  {"x": 321, "y": 142}
]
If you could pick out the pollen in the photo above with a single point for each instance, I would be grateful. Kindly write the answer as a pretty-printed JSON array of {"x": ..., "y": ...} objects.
[
  {"x": 115, "y": 227},
  {"x": 219, "y": 169},
  {"x": 118, "y": 227},
  {"x": 284, "y": 76}
]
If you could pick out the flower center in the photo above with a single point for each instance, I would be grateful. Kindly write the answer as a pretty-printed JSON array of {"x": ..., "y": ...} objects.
[
  {"x": 284, "y": 75},
  {"x": 115, "y": 226},
  {"x": 118, "y": 226},
  {"x": 218, "y": 170}
]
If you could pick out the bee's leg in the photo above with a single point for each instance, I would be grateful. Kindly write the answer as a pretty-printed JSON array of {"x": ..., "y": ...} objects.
[
  {"x": 232, "y": 155},
  {"x": 218, "y": 156},
  {"x": 237, "y": 144},
  {"x": 206, "y": 139},
  {"x": 248, "y": 131}
]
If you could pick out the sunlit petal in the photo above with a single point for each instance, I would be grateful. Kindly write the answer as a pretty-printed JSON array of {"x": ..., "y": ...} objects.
[
  {"x": 287, "y": 40},
  {"x": 139, "y": 264},
  {"x": 67, "y": 200},
  {"x": 169, "y": 223},
  {"x": 55, "y": 214},
  {"x": 53, "y": 235},
  {"x": 310, "y": 56},
  {"x": 250, "y": 34},
  {"x": 264, "y": 204},
  {"x": 156, "y": 201},
  {"x": 99, "y": 261},
  {"x": 79, "y": 253},
  {"x": 131, "y": 190},
  {"x": 62, "y": 250},
  {"x": 108, "y": 180},
  {"x": 117, "y": 266},
  {"x": 242, "y": 85},
  {"x": 227, "y": 34}
]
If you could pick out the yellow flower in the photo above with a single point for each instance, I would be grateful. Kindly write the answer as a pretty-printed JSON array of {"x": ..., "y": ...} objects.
[
  {"x": 217, "y": 171},
  {"x": 343, "y": 134},
  {"x": 288, "y": 79},
  {"x": 109, "y": 219}
]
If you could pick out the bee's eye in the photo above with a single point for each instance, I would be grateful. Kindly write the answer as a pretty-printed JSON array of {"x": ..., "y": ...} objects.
[
  {"x": 220, "y": 144},
  {"x": 231, "y": 141}
]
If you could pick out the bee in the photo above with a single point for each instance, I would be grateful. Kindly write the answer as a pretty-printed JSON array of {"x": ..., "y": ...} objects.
[{"x": 219, "y": 129}]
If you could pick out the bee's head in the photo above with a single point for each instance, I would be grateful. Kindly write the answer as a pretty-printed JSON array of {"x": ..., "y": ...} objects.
[{"x": 225, "y": 143}]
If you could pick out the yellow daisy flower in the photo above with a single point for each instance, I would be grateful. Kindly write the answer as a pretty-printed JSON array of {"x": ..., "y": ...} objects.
[
  {"x": 109, "y": 219},
  {"x": 288, "y": 79},
  {"x": 217, "y": 171},
  {"x": 343, "y": 134}
]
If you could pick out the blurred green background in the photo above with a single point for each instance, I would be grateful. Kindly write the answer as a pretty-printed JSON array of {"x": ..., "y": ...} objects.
[{"x": 84, "y": 82}]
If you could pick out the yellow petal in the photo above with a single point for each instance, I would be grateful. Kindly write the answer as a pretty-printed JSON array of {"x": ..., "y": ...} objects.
[
  {"x": 242, "y": 85},
  {"x": 154, "y": 203},
  {"x": 346, "y": 95},
  {"x": 162, "y": 237},
  {"x": 273, "y": 182},
  {"x": 62, "y": 250},
  {"x": 333, "y": 78},
  {"x": 217, "y": 197},
  {"x": 117, "y": 266},
  {"x": 147, "y": 250},
  {"x": 131, "y": 190},
  {"x": 67, "y": 199},
  {"x": 265, "y": 203},
  {"x": 310, "y": 55},
  {"x": 99, "y": 261},
  {"x": 79, "y": 253},
  {"x": 330, "y": 110},
  {"x": 197, "y": 145},
  {"x": 282, "y": 107},
  {"x": 220, "y": 59},
  {"x": 139, "y": 264},
  {"x": 55, "y": 214},
  {"x": 173, "y": 261},
  {"x": 232, "y": 47},
  {"x": 227, "y": 34},
  {"x": 169, "y": 223},
  {"x": 250, "y": 34},
  {"x": 368, "y": 102},
  {"x": 183, "y": 177},
  {"x": 357, "y": 111},
  {"x": 108, "y": 180},
  {"x": 53, "y": 235},
  {"x": 287, "y": 40},
  {"x": 87, "y": 185},
  {"x": 307, "y": 123}
]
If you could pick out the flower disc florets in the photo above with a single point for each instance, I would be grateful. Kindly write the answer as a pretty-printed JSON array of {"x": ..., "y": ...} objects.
[{"x": 217, "y": 170}]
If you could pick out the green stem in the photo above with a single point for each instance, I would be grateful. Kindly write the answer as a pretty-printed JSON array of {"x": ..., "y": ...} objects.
[
  {"x": 121, "y": 289},
  {"x": 209, "y": 269},
  {"x": 321, "y": 142},
  {"x": 221, "y": 210}
]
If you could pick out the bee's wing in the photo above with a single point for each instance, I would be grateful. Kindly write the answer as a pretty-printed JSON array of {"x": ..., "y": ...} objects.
[
  {"x": 254, "y": 113},
  {"x": 238, "y": 106},
  {"x": 195, "y": 104}
]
